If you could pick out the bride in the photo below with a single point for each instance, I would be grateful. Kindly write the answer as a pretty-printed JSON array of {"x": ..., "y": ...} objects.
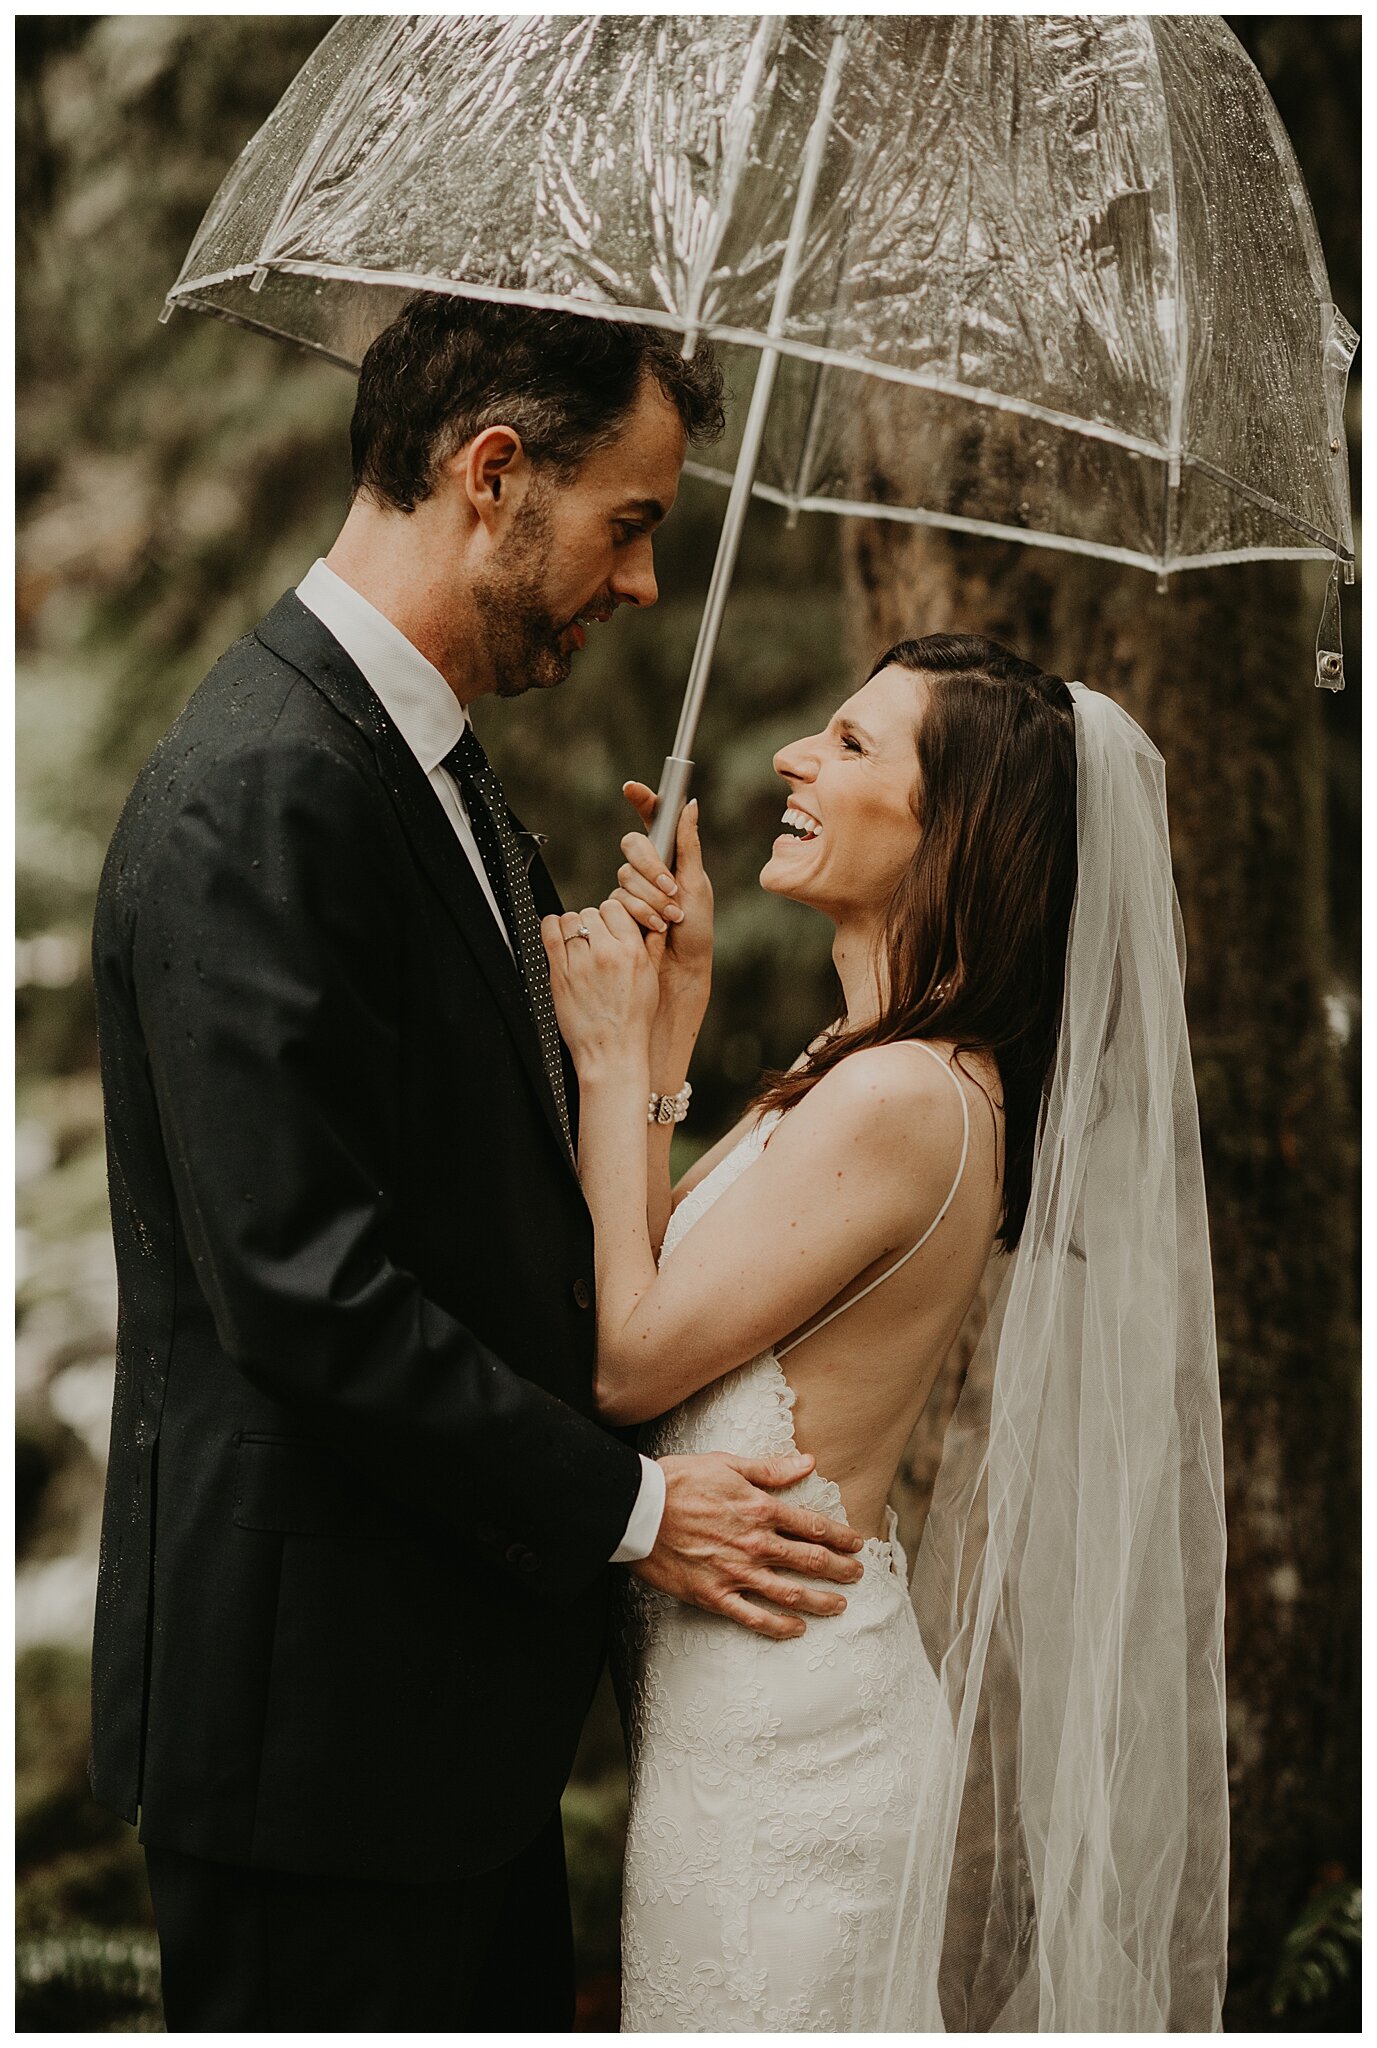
[{"x": 995, "y": 1799}]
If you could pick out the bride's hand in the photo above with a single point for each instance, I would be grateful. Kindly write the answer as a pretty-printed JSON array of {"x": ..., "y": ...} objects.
[
  {"x": 605, "y": 986},
  {"x": 681, "y": 911}
]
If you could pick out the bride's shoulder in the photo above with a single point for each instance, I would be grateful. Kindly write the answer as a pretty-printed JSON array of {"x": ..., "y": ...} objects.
[{"x": 885, "y": 1090}]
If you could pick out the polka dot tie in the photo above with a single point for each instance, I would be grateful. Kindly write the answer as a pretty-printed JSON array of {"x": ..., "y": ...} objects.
[{"x": 505, "y": 862}]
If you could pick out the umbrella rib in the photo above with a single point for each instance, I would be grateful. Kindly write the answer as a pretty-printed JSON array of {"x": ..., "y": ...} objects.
[
  {"x": 1171, "y": 500},
  {"x": 352, "y": 91},
  {"x": 260, "y": 326},
  {"x": 740, "y": 127},
  {"x": 917, "y": 515},
  {"x": 813, "y": 426},
  {"x": 1266, "y": 504}
]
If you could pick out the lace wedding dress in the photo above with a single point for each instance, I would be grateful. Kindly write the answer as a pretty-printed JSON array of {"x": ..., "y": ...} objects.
[{"x": 772, "y": 1783}]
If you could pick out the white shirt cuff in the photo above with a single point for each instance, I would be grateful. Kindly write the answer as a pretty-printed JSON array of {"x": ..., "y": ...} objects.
[{"x": 644, "y": 1526}]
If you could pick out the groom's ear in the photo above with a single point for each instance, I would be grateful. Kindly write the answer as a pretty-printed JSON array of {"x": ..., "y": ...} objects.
[{"x": 487, "y": 466}]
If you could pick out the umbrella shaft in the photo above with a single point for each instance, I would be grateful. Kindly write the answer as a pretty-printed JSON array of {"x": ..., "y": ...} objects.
[
  {"x": 678, "y": 768},
  {"x": 738, "y": 504},
  {"x": 747, "y": 461}
]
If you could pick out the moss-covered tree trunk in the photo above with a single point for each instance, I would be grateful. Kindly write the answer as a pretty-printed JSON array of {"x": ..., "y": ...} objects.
[{"x": 1218, "y": 670}]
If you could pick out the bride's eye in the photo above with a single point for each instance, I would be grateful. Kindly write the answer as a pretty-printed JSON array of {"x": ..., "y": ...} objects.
[{"x": 853, "y": 744}]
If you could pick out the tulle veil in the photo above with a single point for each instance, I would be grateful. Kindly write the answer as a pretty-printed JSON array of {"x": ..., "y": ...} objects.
[{"x": 1067, "y": 1869}]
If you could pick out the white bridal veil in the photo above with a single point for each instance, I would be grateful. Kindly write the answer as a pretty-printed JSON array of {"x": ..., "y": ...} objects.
[{"x": 1070, "y": 1847}]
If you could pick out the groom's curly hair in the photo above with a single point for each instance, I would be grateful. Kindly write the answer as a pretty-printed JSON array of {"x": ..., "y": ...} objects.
[
  {"x": 974, "y": 936},
  {"x": 449, "y": 367}
]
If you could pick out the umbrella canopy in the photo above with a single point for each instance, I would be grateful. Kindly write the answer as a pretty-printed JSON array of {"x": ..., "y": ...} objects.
[
  {"x": 1077, "y": 251},
  {"x": 1072, "y": 257}
]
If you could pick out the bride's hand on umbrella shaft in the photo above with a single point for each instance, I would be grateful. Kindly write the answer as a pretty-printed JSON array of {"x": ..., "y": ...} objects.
[{"x": 673, "y": 910}]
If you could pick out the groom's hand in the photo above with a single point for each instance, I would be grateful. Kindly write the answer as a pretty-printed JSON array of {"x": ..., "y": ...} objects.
[{"x": 723, "y": 1535}]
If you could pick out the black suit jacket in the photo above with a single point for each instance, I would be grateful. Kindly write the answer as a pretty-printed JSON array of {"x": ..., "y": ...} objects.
[{"x": 359, "y": 1510}]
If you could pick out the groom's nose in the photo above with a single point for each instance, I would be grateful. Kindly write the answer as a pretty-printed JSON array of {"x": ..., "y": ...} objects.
[{"x": 633, "y": 580}]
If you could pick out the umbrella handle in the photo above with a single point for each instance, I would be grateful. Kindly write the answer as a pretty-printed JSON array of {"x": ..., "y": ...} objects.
[{"x": 675, "y": 777}]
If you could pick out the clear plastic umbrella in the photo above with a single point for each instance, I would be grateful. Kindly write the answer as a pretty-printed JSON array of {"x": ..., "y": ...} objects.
[{"x": 1072, "y": 256}]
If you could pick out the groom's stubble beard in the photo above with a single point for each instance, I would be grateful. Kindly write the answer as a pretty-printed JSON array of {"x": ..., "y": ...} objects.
[{"x": 521, "y": 638}]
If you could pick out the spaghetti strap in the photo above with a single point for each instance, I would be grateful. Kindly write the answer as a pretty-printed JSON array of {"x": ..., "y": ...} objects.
[{"x": 781, "y": 1350}]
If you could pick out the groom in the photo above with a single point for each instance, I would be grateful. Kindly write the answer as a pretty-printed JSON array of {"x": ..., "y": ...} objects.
[{"x": 360, "y": 1510}]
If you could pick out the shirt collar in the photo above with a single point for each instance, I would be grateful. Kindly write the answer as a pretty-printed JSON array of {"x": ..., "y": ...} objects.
[{"x": 411, "y": 689}]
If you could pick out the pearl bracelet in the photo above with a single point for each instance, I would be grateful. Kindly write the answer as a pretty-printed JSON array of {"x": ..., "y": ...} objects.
[{"x": 669, "y": 1109}]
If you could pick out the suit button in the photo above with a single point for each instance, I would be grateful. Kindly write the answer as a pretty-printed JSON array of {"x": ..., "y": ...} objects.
[
  {"x": 583, "y": 1294},
  {"x": 525, "y": 1560}
]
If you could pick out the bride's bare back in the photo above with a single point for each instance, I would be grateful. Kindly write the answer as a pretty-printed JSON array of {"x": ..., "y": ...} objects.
[
  {"x": 862, "y": 1377},
  {"x": 862, "y": 1371}
]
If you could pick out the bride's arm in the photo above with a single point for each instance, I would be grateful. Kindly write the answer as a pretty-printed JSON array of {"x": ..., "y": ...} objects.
[
  {"x": 683, "y": 954},
  {"x": 854, "y": 1172},
  {"x": 673, "y": 1038}
]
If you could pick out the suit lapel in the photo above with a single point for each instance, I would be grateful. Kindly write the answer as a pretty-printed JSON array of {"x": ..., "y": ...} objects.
[{"x": 299, "y": 637}]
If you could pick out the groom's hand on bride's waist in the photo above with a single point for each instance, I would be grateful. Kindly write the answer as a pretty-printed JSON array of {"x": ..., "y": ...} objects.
[{"x": 727, "y": 1543}]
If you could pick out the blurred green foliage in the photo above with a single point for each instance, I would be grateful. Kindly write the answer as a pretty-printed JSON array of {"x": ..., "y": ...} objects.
[{"x": 1320, "y": 1954}]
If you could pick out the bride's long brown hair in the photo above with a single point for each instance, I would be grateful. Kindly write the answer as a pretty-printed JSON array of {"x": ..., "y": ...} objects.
[{"x": 974, "y": 935}]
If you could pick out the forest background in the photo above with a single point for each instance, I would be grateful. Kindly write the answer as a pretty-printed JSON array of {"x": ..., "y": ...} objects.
[{"x": 173, "y": 481}]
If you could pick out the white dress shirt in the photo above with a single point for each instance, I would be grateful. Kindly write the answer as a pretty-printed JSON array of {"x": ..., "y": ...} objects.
[{"x": 430, "y": 719}]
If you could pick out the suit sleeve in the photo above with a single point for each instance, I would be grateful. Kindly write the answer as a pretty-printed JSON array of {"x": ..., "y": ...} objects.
[{"x": 265, "y": 982}]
